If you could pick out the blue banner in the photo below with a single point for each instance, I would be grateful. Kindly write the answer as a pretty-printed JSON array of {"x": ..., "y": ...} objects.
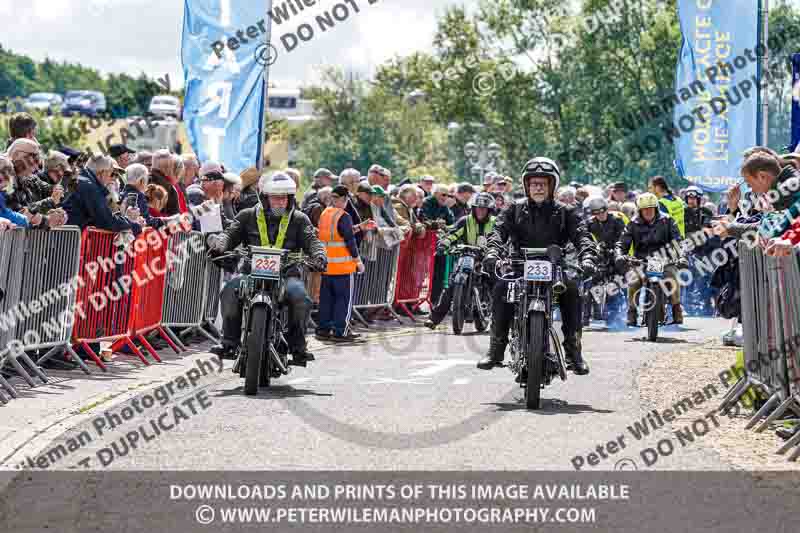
[
  {"x": 224, "y": 102},
  {"x": 795, "y": 102},
  {"x": 716, "y": 90}
]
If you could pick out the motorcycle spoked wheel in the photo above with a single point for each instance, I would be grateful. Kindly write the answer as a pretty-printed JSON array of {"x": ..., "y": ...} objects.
[
  {"x": 257, "y": 351},
  {"x": 559, "y": 351},
  {"x": 537, "y": 348},
  {"x": 482, "y": 312},
  {"x": 459, "y": 306},
  {"x": 654, "y": 314}
]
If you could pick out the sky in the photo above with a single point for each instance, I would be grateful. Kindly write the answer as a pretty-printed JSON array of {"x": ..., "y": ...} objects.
[{"x": 135, "y": 36}]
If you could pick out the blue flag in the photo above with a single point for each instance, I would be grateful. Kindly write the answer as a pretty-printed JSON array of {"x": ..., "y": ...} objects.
[
  {"x": 716, "y": 83},
  {"x": 224, "y": 102},
  {"x": 795, "y": 102}
]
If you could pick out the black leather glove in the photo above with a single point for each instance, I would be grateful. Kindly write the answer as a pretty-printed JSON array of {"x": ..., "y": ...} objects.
[
  {"x": 682, "y": 263},
  {"x": 621, "y": 264},
  {"x": 489, "y": 264},
  {"x": 588, "y": 269}
]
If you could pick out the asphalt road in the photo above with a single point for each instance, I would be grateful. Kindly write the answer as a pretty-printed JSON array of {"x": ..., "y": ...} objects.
[{"x": 414, "y": 400}]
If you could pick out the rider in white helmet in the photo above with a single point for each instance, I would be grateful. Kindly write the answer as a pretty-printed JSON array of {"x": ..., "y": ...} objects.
[{"x": 275, "y": 223}]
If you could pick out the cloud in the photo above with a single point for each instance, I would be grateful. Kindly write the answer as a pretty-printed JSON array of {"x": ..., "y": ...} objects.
[{"x": 143, "y": 36}]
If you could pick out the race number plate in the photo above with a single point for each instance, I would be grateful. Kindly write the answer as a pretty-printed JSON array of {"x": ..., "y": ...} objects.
[
  {"x": 538, "y": 270},
  {"x": 266, "y": 266},
  {"x": 468, "y": 263},
  {"x": 655, "y": 265}
]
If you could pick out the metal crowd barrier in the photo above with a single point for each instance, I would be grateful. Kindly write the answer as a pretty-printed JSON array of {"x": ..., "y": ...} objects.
[
  {"x": 375, "y": 288},
  {"x": 184, "y": 297},
  {"x": 770, "y": 300},
  {"x": 12, "y": 249},
  {"x": 49, "y": 283},
  {"x": 415, "y": 272},
  {"x": 213, "y": 285}
]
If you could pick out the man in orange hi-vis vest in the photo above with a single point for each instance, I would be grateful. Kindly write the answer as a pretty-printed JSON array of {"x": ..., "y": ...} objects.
[{"x": 336, "y": 290}]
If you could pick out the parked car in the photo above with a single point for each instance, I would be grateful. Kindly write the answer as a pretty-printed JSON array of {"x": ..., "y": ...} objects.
[
  {"x": 87, "y": 103},
  {"x": 165, "y": 106},
  {"x": 44, "y": 103}
]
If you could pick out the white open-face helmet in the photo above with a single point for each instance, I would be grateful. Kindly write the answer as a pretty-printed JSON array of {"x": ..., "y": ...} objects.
[{"x": 277, "y": 183}]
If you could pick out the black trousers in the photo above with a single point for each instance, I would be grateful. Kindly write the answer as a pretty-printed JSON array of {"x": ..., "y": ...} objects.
[
  {"x": 571, "y": 309},
  {"x": 437, "y": 283},
  {"x": 297, "y": 300}
]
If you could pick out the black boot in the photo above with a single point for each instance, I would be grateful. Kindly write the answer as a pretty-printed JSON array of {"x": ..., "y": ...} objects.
[
  {"x": 574, "y": 357},
  {"x": 224, "y": 350},
  {"x": 632, "y": 316},
  {"x": 494, "y": 357}
]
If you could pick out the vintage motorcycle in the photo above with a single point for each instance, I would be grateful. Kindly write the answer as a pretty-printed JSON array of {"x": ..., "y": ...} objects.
[
  {"x": 598, "y": 302},
  {"x": 263, "y": 351},
  {"x": 537, "y": 354},
  {"x": 471, "y": 292},
  {"x": 654, "y": 304}
]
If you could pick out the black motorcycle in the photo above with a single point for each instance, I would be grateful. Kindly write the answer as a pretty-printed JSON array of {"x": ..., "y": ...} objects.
[
  {"x": 471, "y": 293},
  {"x": 598, "y": 304},
  {"x": 537, "y": 354},
  {"x": 263, "y": 351},
  {"x": 654, "y": 305}
]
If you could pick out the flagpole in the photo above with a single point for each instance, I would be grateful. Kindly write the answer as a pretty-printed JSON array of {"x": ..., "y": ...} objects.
[
  {"x": 762, "y": 126},
  {"x": 265, "y": 97}
]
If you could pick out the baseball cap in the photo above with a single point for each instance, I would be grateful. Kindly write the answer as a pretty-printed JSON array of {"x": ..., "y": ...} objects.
[
  {"x": 428, "y": 178},
  {"x": 116, "y": 150},
  {"x": 340, "y": 191},
  {"x": 364, "y": 186},
  {"x": 378, "y": 191},
  {"x": 464, "y": 188},
  {"x": 323, "y": 173},
  {"x": 209, "y": 167}
]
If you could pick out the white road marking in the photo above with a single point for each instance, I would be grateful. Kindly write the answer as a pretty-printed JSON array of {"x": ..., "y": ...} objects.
[
  {"x": 378, "y": 381},
  {"x": 298, "y": 381},
  {"x": 439, "y": 365},
  {"x": 461, "y": 381}
]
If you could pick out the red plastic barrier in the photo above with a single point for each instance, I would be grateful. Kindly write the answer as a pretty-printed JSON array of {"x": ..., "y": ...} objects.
[
  {"x": 102, "y": 308},
  {"x": 147, "y": 292},
  {"x": 415, "y": 272},
  {"x": 120, "y": 294}
]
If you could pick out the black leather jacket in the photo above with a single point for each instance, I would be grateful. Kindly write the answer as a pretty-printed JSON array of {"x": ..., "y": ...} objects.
[
  {"x": 648, "y": 237},
  {"x": 523, "y": 224},
  {"x": 607, "y": 232},
  {"x": 300, "y": 235}
]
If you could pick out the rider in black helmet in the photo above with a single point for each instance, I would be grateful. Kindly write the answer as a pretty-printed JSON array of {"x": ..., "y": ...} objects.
[{"x": 538, "y": 221}]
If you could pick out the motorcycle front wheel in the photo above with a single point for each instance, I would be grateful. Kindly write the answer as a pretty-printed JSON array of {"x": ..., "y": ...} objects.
[
  {"x": 653, "y": 313},
  {"x": 256, "y": 349},
  {"x": 459, "y": 306},
  {"x": 481, "y": 311},
  {"x": 537, "y": 331}
]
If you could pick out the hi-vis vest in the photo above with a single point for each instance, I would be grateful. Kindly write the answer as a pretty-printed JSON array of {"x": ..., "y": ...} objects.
[
  {"x": 472, "y": 230},
  {"x": 675, "y": 209},
  {"x": 340, "y": 262}
]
